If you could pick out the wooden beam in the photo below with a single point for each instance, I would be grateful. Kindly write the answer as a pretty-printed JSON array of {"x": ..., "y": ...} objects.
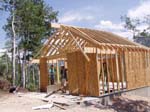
[
  {"x": 112, "y": 70},
  {"x": 58, "y": 72},
  {"x": 102, "y": 71},
  {"x": 117, "y": 69},
  {"x": 43, "y": 75},
  {"x": 59, "y": 37},
  {"x": 56, "y": 56},
  {"x": 107, "y": 72},
  {"x": 87, "y": 58}
]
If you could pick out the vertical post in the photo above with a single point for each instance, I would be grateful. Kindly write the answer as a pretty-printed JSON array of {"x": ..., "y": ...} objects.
[
  {"x": 112, "y": 71},
  {"x": 117, "y": 67},
  {"x": 107, "y": 70},
  {"x": 58, "y": 72},
  {"x": 102, "y": 71},
  {"x": 43, "y": 75},
  {"x": 121, "y": 70}
]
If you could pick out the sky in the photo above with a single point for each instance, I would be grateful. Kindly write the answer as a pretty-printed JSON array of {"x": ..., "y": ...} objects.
[{"x": 95, "y": 14}]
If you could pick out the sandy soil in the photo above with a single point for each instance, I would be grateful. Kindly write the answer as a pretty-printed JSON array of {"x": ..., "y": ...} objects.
[
  {"x": 15, "y": 103},
  {"x": 23, "y": 102}
]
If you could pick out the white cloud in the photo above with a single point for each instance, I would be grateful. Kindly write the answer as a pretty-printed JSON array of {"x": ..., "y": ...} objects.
[
  {"x": 2, "y": 50},
  {"x": 142, "y": 27},
  {"x": 108, "y": 25},
  {"x": 118, "y": 29},
  {"x": 72, "y": 16},
  {"x": 125, "y": 34},
  {"x": 87, "y": 13},
  {"x": 141, "y": 10}
]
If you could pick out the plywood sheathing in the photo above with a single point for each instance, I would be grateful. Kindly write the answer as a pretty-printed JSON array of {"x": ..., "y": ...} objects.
[
  {"x": 83, "y": 76},
  {"x": 92, "y": 78},
  {"x": 136, "y": 69},
  {"x": 73, "y": 75},
  {"x": 148, "y": 69}
]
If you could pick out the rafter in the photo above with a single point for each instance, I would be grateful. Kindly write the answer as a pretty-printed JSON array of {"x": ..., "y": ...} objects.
[{"x": 88, "y": 59}]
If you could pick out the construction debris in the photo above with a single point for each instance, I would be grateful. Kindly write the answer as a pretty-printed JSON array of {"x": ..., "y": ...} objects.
[
  {"x": 67, "y": 102},
  {"x": 47, "y": 106},
  {"x": 59, "y": 106},
  {"x": 49, "y": 94}
]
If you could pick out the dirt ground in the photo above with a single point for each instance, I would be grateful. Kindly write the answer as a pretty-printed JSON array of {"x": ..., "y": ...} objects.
[
  {"x": 15, "y": 103},
  {"x": 23, "y": 102}
]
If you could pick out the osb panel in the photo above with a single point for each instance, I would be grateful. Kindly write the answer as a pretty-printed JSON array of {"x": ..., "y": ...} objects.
[
  {"x": 148, "y": 69},
  {"x": 82, "y": 75},
  {"x": 92, "y": 76},
  {"x": 136, "y": 70},
  {"x": 43, "y": 75},
  {"x": 129, "y": 74},
  {"x": 72, "y": 73}
]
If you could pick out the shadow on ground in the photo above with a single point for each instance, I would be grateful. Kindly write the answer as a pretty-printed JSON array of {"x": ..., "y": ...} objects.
[
  {"x": 123, "y": 105},
  {"x": 127, "y": 105}
]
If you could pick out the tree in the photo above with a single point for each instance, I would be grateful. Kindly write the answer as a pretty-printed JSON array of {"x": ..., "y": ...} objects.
[
  {"x": 10, "y": 5},
  {"x": 132, "y": 25},
  {"x": 141, "y": 36},
  {"x": 32, "y": 25},
  {"x": 5, "y": 65}
]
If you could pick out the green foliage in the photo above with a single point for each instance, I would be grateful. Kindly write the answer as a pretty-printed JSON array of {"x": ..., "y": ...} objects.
[
  {"x": 132, "y": 25},
  {"x": 31, "y": 87},
  {"x": 33, "y": 77},
  {"x": 144, "y": 33},
  {"x": 32, "y": 25},
  {"x": 5, "y": 67}
]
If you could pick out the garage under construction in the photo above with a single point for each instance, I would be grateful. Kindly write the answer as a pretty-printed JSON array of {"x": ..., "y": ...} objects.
[{"x": 98, "y": 62}]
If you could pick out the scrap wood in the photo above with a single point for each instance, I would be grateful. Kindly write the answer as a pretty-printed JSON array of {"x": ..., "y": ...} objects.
[
  {"x": 45, "y": 100},
  {"x": 61, "y": 107},
  {"x": 59, "y": 103},
  {"x": 63, "y": 104},
  {"x": 47, "y": 106},
  {"x": 49, "y": 94}
]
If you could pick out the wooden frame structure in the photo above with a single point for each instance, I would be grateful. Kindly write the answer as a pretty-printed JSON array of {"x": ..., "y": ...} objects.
[{"x": 98, "y": 62}]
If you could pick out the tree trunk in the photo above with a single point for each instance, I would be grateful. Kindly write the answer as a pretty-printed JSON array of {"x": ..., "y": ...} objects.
[
  {"x": 14, "y": 50},
  {"x": 7, "y": 63},
  {"x": 24, "y": 69},
  {"x": 33, "y": 76},
  {"x": 20, "y": 69}
]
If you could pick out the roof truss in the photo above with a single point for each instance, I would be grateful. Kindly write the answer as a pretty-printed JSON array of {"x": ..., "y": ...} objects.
[{"x": 69, "y": 39}]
